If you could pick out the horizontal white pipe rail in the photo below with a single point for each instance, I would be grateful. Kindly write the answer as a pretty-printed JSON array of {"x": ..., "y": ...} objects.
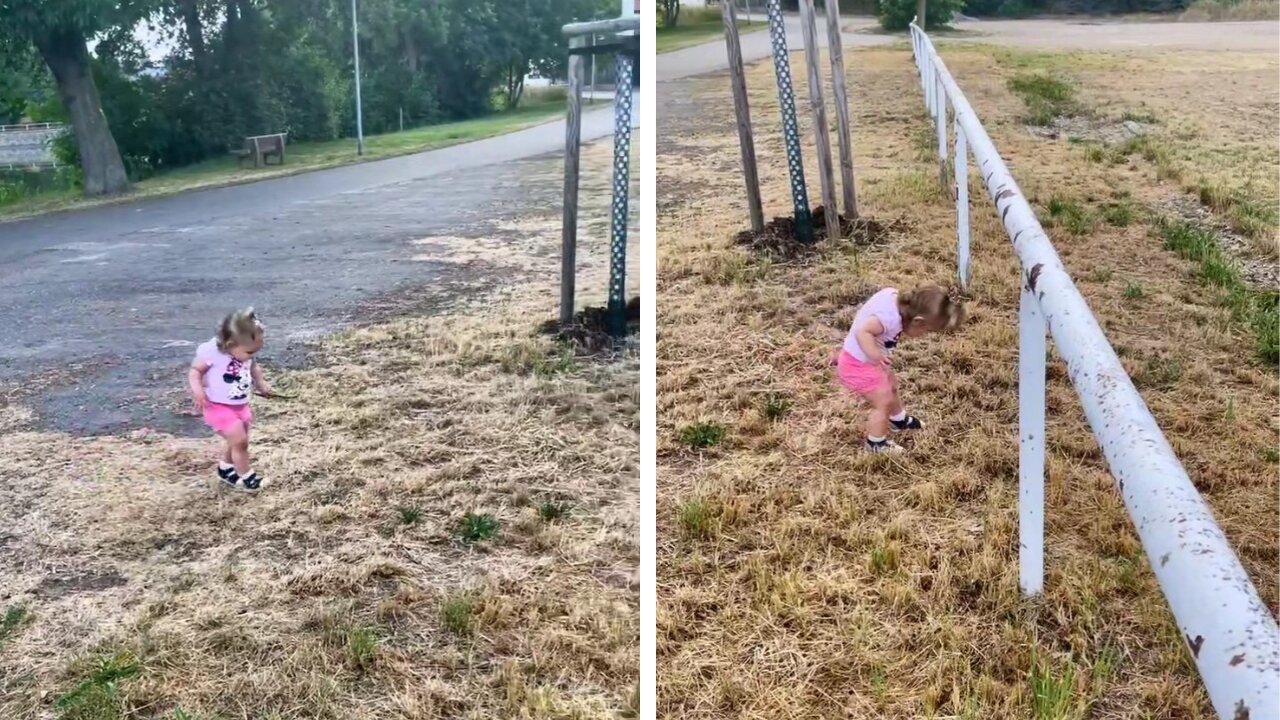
[
  {"x": 26, "y": 127},
  {"x": 1229, "y": 631}
]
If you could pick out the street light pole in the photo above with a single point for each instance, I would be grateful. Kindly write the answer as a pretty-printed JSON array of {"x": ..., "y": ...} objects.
[{"x": 355, "y": 43}]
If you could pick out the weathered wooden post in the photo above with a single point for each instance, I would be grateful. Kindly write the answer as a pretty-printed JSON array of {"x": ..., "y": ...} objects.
[
  {"x": 790, "y": 129},
  {"x": 835, "y": 49},
  {"x": 809, "y": 27},
  {"x": 920, "y": 13},
  {"x": 572, "y": 142},
  {"x": 742, "y": 112}
]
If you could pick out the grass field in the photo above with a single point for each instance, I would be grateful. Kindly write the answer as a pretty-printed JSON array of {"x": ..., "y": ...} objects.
[
  {"x": 306, "y": 156},
  {"x": 451, "y": 531},
  {"x": 700, "y": 25},
  {"x": 799, "y": 577}
]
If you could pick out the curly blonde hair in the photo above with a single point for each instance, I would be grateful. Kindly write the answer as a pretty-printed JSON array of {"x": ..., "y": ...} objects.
[
  {"x": 241, "y": 327},
  {"x": 933, "y": 306}
]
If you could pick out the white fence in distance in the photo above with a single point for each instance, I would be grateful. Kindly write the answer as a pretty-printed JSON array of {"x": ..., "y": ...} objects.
[{"x": 1229, "y": 631}]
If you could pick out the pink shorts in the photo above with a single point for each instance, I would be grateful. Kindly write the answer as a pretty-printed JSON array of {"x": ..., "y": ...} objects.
[
  {"x": 860, "y": 377},
  {"x": 225, "y": 418}
]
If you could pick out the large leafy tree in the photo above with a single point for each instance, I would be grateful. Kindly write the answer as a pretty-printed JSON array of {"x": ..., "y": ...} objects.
[{"x": 59, "y": 29}]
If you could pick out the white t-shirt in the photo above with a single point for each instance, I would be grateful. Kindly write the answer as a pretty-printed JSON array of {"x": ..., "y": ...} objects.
[
  {"x": 884, "y": 307},
  {"x": 227, "y": 381}
]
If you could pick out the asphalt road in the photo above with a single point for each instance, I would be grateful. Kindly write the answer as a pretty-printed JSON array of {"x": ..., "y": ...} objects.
[{"x": 102, "y": 307}]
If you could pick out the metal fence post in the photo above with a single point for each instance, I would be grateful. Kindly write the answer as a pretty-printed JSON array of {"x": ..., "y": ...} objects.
[
  {"x": 1031, "y": 407},
  {"x": 790, "y": 129},
  {"x": 1230, "y": 633},
  {"x": 941, "y": 100},
  {"x": 962, "y": 207},
  {"x": 621, "y": 187}
]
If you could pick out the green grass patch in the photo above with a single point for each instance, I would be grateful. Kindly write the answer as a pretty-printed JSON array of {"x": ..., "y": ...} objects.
[
  {"x": 1045, "y": 96},
  {"x": 1153, "y": 150},
  {"x": 1259, "y": 310},
  {"x": 13, "y": 618},
  {"x": 700, "y": 25},
  {"x": 1158, "y": 373},
  {"x": 883, "y": 560},
  {"x": 776, "y": 406},
  {"x": 1052, "y": 689},
  {"x": 1132, "y": 291},
  {"x": 306, "y": 156},
  {"x": 554, "y": 510},
  {"x": 1145, "y": 118},
  {"x": 1233, "y": 10},
  {"x": 475, "y": 527},
  {"x": 1247, "y": 216},
  {"x": 1119, "y": 214},
  {"x": 362, "y": 646},
  {"x": 1070, "y": 215},
  {"x": 409, "y": 515},
  {"x": 458, "y": 615},
  {"x": 98, "y": 696},
  {"x": 698, "y": 519},
  {"x": 1271, "y": 455},
  {"x": 702, "y": 435}
]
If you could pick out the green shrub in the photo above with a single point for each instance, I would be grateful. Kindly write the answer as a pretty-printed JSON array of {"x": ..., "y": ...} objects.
[
  {"x": 897, "y": 14},
  {"x": 702, "y": 435}
]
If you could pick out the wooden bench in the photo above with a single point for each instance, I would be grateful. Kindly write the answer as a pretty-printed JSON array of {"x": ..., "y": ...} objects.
[{"x": 262, "y": 147}]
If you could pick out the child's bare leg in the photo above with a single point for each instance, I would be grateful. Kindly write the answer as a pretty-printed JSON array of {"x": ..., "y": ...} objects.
[
  {"x": 226, "y": 454},
  {"x": 238, "y": 448},
  {"x": 878, "y": 419}
]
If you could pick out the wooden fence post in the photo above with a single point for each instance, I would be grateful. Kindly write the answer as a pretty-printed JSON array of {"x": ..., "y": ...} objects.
[
  {"x": 816, "y": 105},
  {"x": 572, "y": 144},
  {"x": 835, "y": 48},
  {"x": 743, "y": 114}
]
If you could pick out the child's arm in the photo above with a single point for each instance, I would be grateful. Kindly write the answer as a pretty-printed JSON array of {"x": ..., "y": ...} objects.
[
  {"x": 259, "y": 382},
  {"x": 868, "y": 339},
  {"x": 195, "y": 379}
]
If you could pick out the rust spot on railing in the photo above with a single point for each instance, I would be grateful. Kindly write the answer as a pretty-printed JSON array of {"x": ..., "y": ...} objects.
[
  {"x": 1242, "y": 711},
  {"x": 1236, "y": 660},
  {"x": 1033, "y": 276},
  {"x": 1195, "y": 645}
]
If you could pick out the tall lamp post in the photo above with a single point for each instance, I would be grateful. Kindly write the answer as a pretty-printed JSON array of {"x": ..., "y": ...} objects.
[{"x": 355, "y": 44}]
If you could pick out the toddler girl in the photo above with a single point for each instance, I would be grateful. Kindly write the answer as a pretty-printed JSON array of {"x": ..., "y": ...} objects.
[
  {"x": 864, "y": 362},
  {"x": 220, "y": 380}
]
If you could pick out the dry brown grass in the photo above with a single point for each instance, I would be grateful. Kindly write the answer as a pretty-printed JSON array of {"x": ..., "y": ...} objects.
[
  {"x": 799, "y": 577},
  {"x": 345, "y": 589}
]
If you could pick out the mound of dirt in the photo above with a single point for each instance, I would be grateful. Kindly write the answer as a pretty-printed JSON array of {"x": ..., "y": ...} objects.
[
  {"x": 589, "y": 330},
  {"x": 778, "y": 238},
  {"x": 1107, "y": 132}
]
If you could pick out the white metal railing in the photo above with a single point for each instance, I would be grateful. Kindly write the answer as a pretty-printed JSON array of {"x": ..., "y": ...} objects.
[
  {"x": 1230, "y": 632},
  {"x": 27, "y": 127}
]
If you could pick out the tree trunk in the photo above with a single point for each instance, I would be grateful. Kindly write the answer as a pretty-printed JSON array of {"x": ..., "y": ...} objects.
[
  {"x": 671, "y": 13},
  {"x": 515, "y": 85},
  {"x": 67, "y": 57},
  {"x": 195, "y": 34},
  {"x": 920, "y": 14}
]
